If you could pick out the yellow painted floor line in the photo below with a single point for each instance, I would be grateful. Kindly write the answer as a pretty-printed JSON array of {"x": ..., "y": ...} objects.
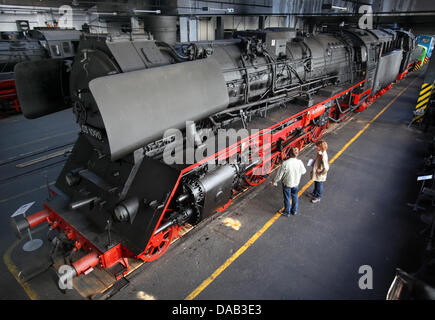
[
  {"x": 13, "y": 269},
  {"x": 269, "y": 223},
  {"x": 7, "y": 260}
]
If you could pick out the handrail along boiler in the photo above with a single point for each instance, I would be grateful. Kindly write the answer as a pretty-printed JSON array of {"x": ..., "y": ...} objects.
[{"x": 117, "y": 198}]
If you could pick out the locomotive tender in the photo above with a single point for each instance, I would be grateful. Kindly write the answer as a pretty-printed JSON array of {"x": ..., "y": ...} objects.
[
  {"x": 117, "y": 198},
  {"x": 36, "y": 44}
]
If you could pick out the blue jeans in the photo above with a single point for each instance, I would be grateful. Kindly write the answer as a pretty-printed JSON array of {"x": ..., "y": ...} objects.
[
  {"x": 318, "y": 190},
  {"x": 290, "y": 193}
]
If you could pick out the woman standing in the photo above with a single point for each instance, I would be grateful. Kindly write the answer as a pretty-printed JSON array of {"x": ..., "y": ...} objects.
[{"x": 319, "y": 171}]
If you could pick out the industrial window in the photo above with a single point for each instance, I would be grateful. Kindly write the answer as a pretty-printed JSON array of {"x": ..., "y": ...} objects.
[
  {"x": 55, "y": 50},
  {"x": 66, "y": 47}
]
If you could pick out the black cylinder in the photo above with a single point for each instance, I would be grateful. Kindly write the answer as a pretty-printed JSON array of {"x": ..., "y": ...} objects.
[
  {"x": 19, "y": 226},
  {"x": 163, "y": 28},
  {"x": 81, "y": 203}
]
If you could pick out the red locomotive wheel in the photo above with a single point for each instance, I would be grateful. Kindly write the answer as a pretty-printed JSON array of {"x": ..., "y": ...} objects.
[
  {"x": 317, "y": 133},
  {"x": 225, "y": 206},
  {"x": 300, "y": 144},
  {"x": 286, "y": 152},
  {"x": 254, "y": 180},
  {"x": 158, "y": 245}
]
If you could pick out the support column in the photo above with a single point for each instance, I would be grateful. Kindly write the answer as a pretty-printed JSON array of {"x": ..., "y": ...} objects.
[
  {"x": 134, "y": 21},
  {"x": 261, "y": 22},
  {"x": 188, "y": 29},
  {"x": 219, "y": 28}
]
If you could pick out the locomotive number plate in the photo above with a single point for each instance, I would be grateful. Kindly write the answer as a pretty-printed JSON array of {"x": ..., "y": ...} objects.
[{"x": 92, "y": 132}]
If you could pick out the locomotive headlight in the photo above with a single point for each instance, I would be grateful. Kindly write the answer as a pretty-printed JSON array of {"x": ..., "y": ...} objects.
[
  {"x": 126, "y": 211},
  {"x": 121, "y": 213}
]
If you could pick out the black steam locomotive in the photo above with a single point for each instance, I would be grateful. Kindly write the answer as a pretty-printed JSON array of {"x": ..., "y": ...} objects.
[
  {"x": 118, "y": 197},
  {"x": 30, "y": 45}
]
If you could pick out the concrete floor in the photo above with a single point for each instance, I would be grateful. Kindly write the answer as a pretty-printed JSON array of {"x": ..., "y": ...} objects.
[
  {"x": 363, "y": 219},
  {"x": 23, "y": 185}
]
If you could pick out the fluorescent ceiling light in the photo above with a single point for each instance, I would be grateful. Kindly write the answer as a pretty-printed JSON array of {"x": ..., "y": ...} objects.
[
  {"x": 340, "y": 8},
  {"x": 229, "y": 10},
  {"x": 147, "y": 11}
]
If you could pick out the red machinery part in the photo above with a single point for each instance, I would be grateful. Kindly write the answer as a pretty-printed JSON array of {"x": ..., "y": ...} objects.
[
  {"x": 8, "y": 93},
  {"x": 357, "y": 97},
  {"x": 317, "y": 112},
  {"x": 362, "y": 107},
  {"x": 402, "y": 75},
  {"x": 87, "y": 262},
  {"x": 158, "y": 244},
  {"x": 29, "y": 222},
  {"x": 314, "y": 113},
  {"x": 37, "y": 218}
]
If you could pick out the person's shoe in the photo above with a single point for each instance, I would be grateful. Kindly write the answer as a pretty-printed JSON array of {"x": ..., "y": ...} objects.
[
  {"x": 284, "y": 213},
  {"x": 294, "y": 213},
  {"x": 309, "y": 195},
  {"x": 315, "y": 200}
]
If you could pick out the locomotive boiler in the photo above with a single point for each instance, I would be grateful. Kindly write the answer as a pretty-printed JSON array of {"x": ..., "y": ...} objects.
[{"x": 119, "y": 197}]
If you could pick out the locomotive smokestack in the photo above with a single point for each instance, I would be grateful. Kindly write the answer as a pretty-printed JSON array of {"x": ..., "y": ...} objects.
[{"x": 163, "y": 28}]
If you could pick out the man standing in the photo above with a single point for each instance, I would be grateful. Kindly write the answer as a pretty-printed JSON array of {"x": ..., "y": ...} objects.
[{"x": 290, "y": 174}]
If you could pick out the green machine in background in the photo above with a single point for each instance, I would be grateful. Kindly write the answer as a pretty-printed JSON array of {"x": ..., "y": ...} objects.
[
  {"x": 426, "y": 90},
  {"x": 421, "y": 58}
]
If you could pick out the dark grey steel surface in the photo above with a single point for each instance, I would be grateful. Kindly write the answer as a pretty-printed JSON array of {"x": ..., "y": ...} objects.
[
  {"x": 217, "y": 187},
  {"x": 430, "y": 73},
  {"x": 126, "y": 55},
  {"x": 135, "y": 53},
  {"x": 59, "y": 43},
  {"x": 39, "y": 87},
  {"x": 163, "y": 28},
  {"x": 19, "y": 50},
  {"x": 151, "y": 182},
  {"x": 55, "y": 35},
  {"x": 91, "y": 231},
  {"x": 388, "y": 69},
  {"x": 316, "y": 56},
  {"x": 137, "y": 107}
]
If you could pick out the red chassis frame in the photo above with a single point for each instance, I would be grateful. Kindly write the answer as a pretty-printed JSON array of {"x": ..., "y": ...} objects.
[
  {"x": 158, "y": 244},
  {"x": 8, "y": 93},
  {"x": 408, "y": 68}
]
